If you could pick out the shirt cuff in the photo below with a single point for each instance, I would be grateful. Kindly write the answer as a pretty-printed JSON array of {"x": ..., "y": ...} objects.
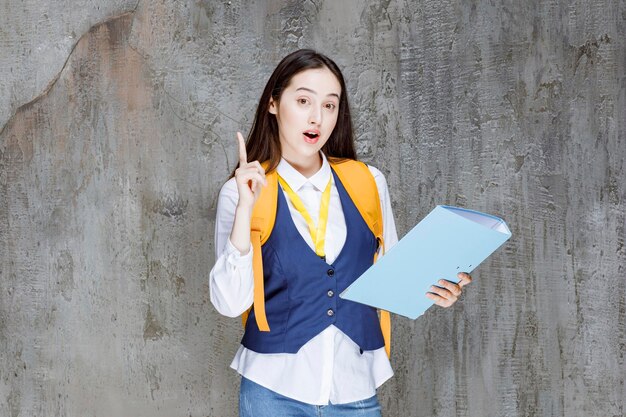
[{"x": 235, "y": 257}]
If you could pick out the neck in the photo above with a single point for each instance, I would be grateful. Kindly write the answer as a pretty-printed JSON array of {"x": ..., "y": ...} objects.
[{"x": 306, "y": 166}]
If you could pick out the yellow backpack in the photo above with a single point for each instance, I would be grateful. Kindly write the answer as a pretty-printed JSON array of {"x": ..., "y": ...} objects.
[{"x": 361, "y": 187}]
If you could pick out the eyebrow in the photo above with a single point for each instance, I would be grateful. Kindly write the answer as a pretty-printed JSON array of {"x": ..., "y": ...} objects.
[{"x": 314, "y": 92}]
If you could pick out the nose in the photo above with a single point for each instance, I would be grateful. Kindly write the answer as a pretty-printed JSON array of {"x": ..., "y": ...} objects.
[{"x": 315, "y": 115}]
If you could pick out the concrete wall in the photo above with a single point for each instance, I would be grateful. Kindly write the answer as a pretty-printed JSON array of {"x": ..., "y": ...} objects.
[{"x": 117, "y": 128}]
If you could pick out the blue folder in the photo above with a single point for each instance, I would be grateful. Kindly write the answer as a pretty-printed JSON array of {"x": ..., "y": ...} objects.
[{"x": 447, "y": 241}]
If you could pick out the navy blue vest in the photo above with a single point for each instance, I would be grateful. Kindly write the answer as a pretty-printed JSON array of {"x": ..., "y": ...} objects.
[{"x": 302, "y": 290}]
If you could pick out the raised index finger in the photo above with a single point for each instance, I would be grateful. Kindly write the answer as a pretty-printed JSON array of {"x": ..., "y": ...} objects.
[{"x": 243, "y": 156}]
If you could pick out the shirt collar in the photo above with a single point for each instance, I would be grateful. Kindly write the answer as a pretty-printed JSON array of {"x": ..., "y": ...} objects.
[{"x": 296, "y": 180}]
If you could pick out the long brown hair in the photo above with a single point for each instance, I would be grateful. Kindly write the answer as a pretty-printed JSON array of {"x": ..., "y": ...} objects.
[{"x": 263, "y": 142}]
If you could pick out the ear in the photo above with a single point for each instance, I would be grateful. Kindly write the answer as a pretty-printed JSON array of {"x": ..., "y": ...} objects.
[{"x": 273, "y": 106}]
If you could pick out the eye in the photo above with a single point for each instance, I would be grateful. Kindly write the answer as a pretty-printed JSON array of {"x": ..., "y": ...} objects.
[
  {"x": 303, "y": 100},
  {"x": 331, "y": 106}
]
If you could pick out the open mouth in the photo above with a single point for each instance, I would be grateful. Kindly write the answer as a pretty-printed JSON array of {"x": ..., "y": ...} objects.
[{"x": 311, "y": 136}]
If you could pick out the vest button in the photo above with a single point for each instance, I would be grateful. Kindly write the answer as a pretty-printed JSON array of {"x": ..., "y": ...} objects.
[
  {"x": 330, "y": 293},
  {"x": 330, "y": 312},
  {"x": 330, "y": 272}
]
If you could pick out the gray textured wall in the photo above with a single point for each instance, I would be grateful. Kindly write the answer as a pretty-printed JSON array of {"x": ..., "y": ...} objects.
[{"x": 117, "y": 129}]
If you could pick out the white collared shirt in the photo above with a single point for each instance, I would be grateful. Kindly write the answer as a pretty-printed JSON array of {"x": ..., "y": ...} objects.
[{"x": 330, "y": 367}]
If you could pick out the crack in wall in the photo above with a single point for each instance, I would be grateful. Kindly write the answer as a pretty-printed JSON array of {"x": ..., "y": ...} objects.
[{"x": 56, "y": 78}]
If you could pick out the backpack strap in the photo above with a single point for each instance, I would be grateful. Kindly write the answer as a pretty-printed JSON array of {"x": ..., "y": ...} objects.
[
  {"x": 261, "y": 225},
  {"x": 360, "y": 184}
]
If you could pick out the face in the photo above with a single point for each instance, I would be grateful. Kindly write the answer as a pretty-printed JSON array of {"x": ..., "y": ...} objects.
[{"x": 307, "y": 113}]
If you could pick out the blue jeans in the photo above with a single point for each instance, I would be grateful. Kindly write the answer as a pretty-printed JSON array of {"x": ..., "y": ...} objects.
[{"x": 258, "y": 401}]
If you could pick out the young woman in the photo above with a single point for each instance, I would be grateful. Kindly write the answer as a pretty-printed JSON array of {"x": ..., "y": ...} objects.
[{"x": 323, "y": 356}]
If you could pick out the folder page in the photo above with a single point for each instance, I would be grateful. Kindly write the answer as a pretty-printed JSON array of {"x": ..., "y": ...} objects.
[{"x": 447, "y": 241}]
